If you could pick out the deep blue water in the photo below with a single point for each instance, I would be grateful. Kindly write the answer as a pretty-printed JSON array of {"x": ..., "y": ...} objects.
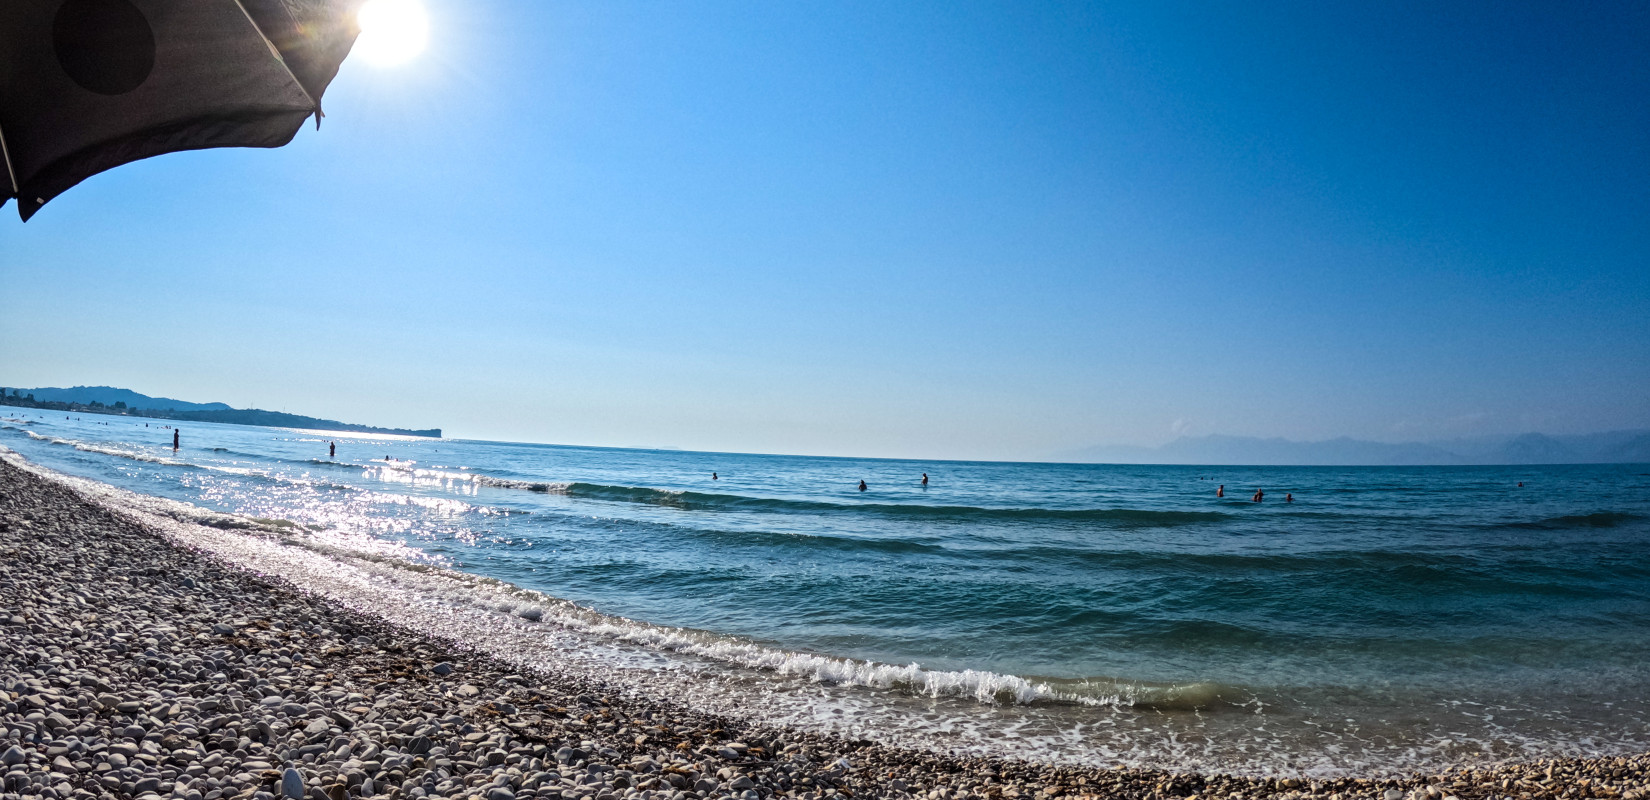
[{"x": 1397, "y": 589}]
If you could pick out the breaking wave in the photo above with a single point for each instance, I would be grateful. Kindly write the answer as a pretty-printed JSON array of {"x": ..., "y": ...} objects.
[
  {"x": 715, "y": 502},
  {"x": 1601, "y": 519}
]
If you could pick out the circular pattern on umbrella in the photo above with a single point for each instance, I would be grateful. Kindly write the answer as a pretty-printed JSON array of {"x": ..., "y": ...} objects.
[{"x": 106, "y": 46}]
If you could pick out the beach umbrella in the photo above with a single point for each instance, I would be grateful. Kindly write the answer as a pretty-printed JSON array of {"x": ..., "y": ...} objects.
[{"x": 88, "y": 85}]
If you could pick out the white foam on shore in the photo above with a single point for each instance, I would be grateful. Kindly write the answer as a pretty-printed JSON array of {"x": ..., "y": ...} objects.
[
  {"x": 87, "y": 447},
  {"x": 406, "y": 473},
  {"x": 444, "y": 505},
  {"x": 969, "y": 712}
]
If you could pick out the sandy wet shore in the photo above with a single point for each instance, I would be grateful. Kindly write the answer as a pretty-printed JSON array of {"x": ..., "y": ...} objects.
[{"x": 133, "y": 666}]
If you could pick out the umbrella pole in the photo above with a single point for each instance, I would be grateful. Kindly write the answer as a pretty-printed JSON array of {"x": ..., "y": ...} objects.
[{"x": 11, "y": 175}]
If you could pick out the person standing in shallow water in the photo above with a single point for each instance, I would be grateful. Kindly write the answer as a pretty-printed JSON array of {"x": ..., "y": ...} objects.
[
  {"x": 175, "y": 439},
  {"x": 715, "y": 477},
  {"x": 862, "y": 485},
  {"x": 332, "y": 449},
  {"x": 925, "y": 479},
  {"x": 1259, "y": 494},
  {"x": 1221, "y": 492}
]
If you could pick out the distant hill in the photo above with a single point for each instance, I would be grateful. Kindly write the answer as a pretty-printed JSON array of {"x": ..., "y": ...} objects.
[
  {"x": 109, "y": 400},
  {"x": 1613, "y": 447},
  {"x": 109, "y": 395}
]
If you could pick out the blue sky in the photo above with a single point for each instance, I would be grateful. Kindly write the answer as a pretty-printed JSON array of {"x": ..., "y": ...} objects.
[{"x": 974, "y": 230}]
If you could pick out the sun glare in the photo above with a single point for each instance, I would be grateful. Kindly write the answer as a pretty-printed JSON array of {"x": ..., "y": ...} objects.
[{"x": 392, "y": 31}]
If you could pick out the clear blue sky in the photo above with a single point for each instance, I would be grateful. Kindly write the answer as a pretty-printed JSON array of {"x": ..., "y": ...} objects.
[{"x": 997, "y": 230}]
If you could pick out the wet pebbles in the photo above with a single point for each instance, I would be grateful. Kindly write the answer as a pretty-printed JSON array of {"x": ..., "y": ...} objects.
[{"x": 130, "y": 667}]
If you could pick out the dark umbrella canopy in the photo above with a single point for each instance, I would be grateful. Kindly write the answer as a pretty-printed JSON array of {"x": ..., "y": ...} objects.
[{"x": 87, "y": 85}]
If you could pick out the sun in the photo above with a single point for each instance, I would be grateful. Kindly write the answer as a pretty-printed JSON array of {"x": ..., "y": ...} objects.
[{"x": 392, "y": 31}]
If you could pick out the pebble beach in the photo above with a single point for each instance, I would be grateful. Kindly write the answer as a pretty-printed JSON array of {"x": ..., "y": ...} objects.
[{"x": 132, "y": 665}]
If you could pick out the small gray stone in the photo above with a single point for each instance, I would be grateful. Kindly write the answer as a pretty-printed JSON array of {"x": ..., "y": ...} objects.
[
  {"x": 292, "y": 784},
  {"x": 14, "y": 755},
  {"x": 443, "y": 668}
]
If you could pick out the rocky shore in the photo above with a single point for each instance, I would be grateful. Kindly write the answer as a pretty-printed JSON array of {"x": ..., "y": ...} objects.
[{"x": 133, "y": 667}]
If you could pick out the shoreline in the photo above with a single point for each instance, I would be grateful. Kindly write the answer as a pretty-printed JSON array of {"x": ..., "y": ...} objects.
[{"x": 132, "y": 664}]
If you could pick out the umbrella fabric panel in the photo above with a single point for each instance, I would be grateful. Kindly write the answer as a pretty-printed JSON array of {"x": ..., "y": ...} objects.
[
  {"x": 87, "y": 85},
  {"x": 312, "y": 35}
]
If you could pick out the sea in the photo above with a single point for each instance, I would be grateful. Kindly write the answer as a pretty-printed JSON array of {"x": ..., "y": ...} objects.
[{"x": 1387, "y": 620}]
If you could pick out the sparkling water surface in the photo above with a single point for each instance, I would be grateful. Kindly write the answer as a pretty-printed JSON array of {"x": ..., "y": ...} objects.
[{"x": 1396, "y": 617}]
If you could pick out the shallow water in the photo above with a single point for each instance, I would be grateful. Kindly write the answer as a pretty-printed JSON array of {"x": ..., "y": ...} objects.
[{"x": 1388, "y": 619}]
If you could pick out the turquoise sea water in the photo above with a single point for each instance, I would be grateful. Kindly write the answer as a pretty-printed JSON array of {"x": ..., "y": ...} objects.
[{"x": 1394, "y": 617}]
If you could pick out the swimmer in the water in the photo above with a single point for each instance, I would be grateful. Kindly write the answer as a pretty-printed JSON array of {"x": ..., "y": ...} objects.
[
  {"x": 925, "y": 479},
  {"x": 1259, "y": 494},
  {"x": 715, "y": 477},
  {"x": 862, "y": 485},
  {"x": 1289, "y": 498},
  {"x": 1221, "y": 492}
]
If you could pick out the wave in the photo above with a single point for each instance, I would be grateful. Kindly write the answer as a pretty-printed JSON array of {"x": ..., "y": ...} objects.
[
  {"x": 442, "y": 504},
  {"x": 685, "y": 500},
  {"x": 1600, "y": 519},
  {"x": 138, "y": 455},
  {"x": 134, "y": 455},
  {"x": 707, "y": 501},
  {"x": 407, "y": 473},
  {"x": 258, "y": 456},
  {"x": 736, "y": 538},
  {"x": 325, "y": 462},
  {"x": 983, "y": 686}
]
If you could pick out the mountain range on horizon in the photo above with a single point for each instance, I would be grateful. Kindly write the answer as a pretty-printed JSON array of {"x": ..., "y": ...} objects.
[
  {"x": 111, "y": 400},
  {"x": 109, "y": 395},
  {"x": 1610, "y": 447}
]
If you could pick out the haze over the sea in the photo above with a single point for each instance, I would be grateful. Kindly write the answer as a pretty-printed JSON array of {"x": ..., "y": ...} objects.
[{"x": 988, "y": 230}]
